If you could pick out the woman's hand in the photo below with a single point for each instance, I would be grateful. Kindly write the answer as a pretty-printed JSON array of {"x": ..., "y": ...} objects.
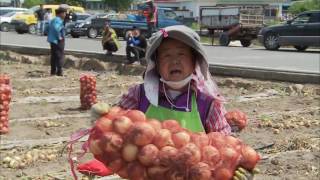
[{"x": 243, "y": 174}]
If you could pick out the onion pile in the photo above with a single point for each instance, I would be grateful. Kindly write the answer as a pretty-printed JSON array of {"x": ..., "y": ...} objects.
[
  {"x": 237, "y": 119},
  {"x": 5, "y": 98},
  {"x": 16, "y": 160},
  {"x": 137, "y": 148},
  {"x": 88, "y": 93}
]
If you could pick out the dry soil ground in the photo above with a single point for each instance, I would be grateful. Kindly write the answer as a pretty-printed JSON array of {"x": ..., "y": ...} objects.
[{"x": 284, "y": 120}]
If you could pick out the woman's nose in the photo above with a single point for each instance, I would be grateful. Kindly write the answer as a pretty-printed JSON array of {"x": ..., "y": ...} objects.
[{"x": 176, "y": 60}]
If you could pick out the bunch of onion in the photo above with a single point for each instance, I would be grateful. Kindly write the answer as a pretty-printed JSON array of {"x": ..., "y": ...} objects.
[
  {"x": 5, "y": 98},
  {"x": 88, "y": 93},
  {"x": 139, "y": 148}
]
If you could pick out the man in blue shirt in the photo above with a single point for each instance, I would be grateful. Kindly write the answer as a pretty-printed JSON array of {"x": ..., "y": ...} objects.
[
  {"x": 136, "y": 45},
  {"x": 56, "y": 37}
]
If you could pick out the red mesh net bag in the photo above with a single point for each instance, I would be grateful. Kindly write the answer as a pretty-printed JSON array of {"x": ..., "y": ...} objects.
[
  {"x": 5, "y": 98},
  {"x": 4, "y": 79},
  {"x": 237, "y": 119},
  {"x": 135, "y": 147},
  {"x": 88, "y": 93}
]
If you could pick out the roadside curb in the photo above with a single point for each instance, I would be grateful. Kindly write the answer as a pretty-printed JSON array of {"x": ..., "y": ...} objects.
[{"x": 216, "y": 69}]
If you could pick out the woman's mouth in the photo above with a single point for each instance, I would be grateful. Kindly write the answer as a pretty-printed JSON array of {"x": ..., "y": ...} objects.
[{"x": 175, "y": 72}]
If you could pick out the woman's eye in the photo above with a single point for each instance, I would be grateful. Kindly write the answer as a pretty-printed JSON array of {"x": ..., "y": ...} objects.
[{"x": 166, "y": 56}]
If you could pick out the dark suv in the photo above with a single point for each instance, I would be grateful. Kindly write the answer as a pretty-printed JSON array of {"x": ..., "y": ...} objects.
[{"x": 301, "y": 32}]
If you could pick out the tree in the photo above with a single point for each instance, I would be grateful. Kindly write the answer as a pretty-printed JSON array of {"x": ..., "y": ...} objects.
[
  {"x": 69, "y": 2},
  {"x": 30, "y": 3},
  {"x": 306, "y": 5},
  {"x": 118, "y": 5}
]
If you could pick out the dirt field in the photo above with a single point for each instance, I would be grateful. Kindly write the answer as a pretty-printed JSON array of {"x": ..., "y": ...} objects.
[{"x": 284, "y": 120}]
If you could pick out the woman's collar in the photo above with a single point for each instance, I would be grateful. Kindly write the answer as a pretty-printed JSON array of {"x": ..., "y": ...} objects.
[{"x": 192, "y": 86}]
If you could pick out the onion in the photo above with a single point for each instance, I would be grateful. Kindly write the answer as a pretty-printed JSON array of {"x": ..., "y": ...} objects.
[
  {"x": 163, "y": 138},
  {"x": 111, "y": 142},
  {"x": 249, "y": 157},
  {"x": 172, "y": 125},
  {"x": 200, "y": 139},
  {"x": 233, "y": 142},
  {"x": 229, "y": 157},
  {"x": 114, "y": 112},
  {"x": 155, "y": 124},
  {"x": 129, "y": 152},
  {"x": 136, "y": 171},
  {"x": 189, "y": 155},
  {"x": 223, "y": 174},
  {"x": 116, "y": 165},
  {"x": 99, "y": 108},
  {"x": 180, "y": 139},
  {"x": 157, "y": 172},
  {"x": 136, "y": 116},
  {"x": 123, "y": 172},
  {"x": 94, "y": 147},
  {"x": 141, "y": 133},
  {"x": 104, "y": 124},
  {"x": 122, "y": 124},
  {"x": 200, "y": 171},
  {"x": 148, "y": 155},
  {"x": 175, "y": 175},
  {"x": 216, "y": 139},
  {"x": 210, "y": 155},
  {"x": 167, "y": 155}
]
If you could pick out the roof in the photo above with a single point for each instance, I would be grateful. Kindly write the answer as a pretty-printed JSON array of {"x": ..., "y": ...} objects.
[{"x": 250, "y": 1}]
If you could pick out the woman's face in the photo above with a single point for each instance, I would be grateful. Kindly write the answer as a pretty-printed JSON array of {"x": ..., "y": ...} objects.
[{"x": 175, "y": 60}]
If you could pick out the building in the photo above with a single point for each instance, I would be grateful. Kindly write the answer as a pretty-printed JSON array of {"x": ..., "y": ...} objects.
[
  {"x": 185, "y": 6},
  {"x": 274, "y": 9}
]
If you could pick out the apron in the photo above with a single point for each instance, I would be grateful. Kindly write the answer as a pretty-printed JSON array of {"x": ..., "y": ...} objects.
[{"x": 189, "y": 120}]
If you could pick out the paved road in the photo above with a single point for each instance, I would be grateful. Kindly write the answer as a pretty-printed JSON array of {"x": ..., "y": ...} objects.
[{"x": 256, "y": 57}]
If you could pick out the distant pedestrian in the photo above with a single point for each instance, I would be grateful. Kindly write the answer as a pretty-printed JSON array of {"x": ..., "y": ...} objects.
[
  {"x": 47, "y": 18},
  {"x": 109, "y": 39},
  {"x": 152, "y": 16},
  {"x": 56, "y": 38},
  {"x": 40, "y": 13},
  {"x": 48, "y": 15},
  {"x": 136, "y": 45}
]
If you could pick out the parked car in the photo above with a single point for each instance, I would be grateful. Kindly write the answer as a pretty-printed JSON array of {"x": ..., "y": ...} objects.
[
  {"x": 5, "y": 10},
  {"x": 26, "y": 22},
  {"x": 301, "y": 32},
  {"x": 6, "y": 19},
  {"x": 81, "y": 17},
  {"x": 80, "y": 28},
  {"x": 122, "y": 23}
]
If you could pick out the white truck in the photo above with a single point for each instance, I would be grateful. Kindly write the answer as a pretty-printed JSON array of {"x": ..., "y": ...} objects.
[{"x": 237, "y": 23}]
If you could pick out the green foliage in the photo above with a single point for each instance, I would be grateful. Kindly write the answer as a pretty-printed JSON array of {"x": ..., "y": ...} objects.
[
  {"x": 30, "y": 3},
  {"x": 195, "y": 26},
  {"x": 306, "y": 5},
  {"x": 69, "y": 2},
  {"x": 118, "y": 5},
  {"x": 273, "y": 22}
]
